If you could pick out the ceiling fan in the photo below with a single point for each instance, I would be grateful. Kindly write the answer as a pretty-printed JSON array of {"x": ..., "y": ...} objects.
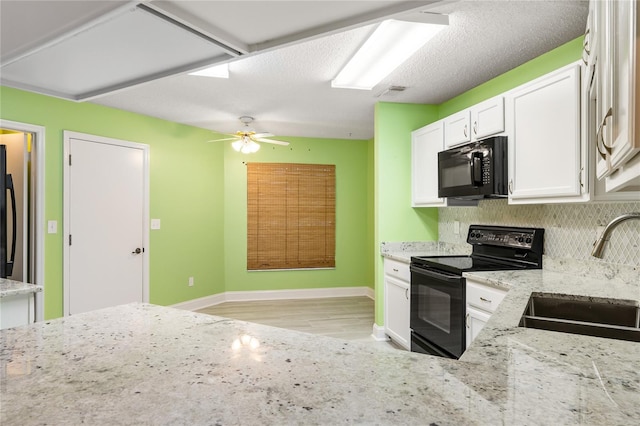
[{"x": 246, "y": 140}]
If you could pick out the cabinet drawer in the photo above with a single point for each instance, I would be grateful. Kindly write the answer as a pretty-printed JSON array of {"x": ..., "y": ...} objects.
[
  {"x": 397, "y": 269},
  {"x": 484, "y": 297}
]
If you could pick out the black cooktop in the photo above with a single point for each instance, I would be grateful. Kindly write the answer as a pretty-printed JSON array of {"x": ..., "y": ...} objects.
[
  {"x": 494, "y": 248},
  {"x": 460, "y": 264}
]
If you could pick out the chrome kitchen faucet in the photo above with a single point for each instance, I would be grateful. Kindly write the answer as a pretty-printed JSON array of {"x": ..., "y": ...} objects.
[{"x": 599, "y": 245}]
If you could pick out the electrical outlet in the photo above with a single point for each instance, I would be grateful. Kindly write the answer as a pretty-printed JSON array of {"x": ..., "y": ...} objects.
[
  {"x": 190, "y": 281},
  {"x": 52, "y": 227}
]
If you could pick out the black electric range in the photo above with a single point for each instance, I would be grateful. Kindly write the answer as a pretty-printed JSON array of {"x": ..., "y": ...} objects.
[{"x": 438, "y": 289}]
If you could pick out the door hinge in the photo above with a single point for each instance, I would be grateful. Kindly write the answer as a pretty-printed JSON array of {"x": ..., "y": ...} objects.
[
  {"x": 69, "y": 159},
  {"x": 69, "y": 239}
]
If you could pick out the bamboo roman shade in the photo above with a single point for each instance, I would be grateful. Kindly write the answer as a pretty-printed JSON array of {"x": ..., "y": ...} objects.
[{"x": 290, "y": 216}]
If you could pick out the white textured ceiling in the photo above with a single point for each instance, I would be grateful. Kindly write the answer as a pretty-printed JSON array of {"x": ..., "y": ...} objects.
[{"x": 286, "y": 86}]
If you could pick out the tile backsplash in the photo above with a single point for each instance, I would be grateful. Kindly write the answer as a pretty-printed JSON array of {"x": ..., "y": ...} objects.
[{"x": 570, "y": 230}]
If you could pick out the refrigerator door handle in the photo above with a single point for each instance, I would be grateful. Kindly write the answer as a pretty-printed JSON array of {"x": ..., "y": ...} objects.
[{"x": 14, "y": 214}]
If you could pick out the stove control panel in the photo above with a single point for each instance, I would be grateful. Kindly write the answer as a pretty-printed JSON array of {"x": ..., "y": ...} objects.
[{"x": 501, "y": 237}]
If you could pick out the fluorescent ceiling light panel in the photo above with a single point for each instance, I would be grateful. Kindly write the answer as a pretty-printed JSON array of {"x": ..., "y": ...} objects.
[
  {"x": 218, "y": 71},
  {"x": 392, "y": 43}
]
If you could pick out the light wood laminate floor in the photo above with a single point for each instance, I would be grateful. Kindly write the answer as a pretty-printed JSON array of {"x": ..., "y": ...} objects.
[{"x": 347, "y": 318}]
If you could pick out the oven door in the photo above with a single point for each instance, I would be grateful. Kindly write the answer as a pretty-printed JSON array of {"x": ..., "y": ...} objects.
[{"x": 437, "y": 309}]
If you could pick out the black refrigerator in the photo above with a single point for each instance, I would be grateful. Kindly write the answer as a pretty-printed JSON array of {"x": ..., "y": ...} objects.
[{"x": 6, "y": 194}]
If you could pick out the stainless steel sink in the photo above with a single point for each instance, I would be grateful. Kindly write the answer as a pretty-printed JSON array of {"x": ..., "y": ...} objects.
[{"x": 610, "y": 318}]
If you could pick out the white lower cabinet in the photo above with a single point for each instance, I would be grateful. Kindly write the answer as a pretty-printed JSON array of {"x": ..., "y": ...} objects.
[
  {"x": 482, "y": 301},
  {"x": 397, "y": 302},
  {"x": 476, "y": 320},
  {"x": 16, "y": 310}
]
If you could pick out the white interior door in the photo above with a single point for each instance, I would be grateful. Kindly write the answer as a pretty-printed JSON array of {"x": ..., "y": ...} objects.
[{"x": 105, "y": 223}]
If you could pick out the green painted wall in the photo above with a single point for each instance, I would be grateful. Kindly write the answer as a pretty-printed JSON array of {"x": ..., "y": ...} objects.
[
  {"x": 198, "y": 190},
  {"x": 186, "y": 193},
  {"x": 395, "y": 219},
  {"x": 354, "y": 202}
]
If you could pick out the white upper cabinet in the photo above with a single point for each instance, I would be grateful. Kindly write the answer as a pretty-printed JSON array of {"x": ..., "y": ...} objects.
[
  {"x": 546, "y": 151},
  {"x": 426, "y": 142},
  {"x": 477, "y": 122},
  {"x": 457, "y": 129},
  {"x": 487, "y": 118},
  {"x": 614, "y": 94}
]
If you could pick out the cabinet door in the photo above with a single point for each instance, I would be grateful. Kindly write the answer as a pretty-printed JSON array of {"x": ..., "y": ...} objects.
[
  {"x": 457, "y": 129},
  {"x": 397, "y": 311},
  {"x": 476, "y": 321},
  {"x": 487, "y": 118},
  {"x": 425, "y": 145},
  {"x": 545, "y": 145},
  {"x": 16, "y": 310},
  {"x": 618, "y": 130}
]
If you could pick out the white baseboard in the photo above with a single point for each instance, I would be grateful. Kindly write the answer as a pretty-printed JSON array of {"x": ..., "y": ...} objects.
[
  {"x": 201, "y": 303},
  {"x": 245, "y": 296},
  {"x": 379, "y": 333}
]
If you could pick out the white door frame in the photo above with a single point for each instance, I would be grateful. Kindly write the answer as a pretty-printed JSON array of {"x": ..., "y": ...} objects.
[
  {"x": 37, "y": 163},
  {"x": 68, "y": 135}
]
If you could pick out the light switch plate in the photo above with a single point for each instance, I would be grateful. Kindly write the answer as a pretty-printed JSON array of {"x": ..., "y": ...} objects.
[
  {"x": 52, "y": 227},
  {"x": 155, "y": 223}
]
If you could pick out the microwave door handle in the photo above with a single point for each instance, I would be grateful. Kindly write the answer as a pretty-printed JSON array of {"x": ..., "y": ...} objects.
[{"x": 476, "y": 168}]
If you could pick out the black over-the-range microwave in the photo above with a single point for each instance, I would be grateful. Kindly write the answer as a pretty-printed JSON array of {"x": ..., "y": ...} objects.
[{"x": 475, "y": 170}]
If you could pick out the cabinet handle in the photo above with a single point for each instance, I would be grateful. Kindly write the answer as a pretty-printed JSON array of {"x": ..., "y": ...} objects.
[
  {"x": 406, "y": 293},
  {"x": 485, "y": 300},
  {"x": 475, "y": 127},
  {"x": 465, "y": 131},
  {"x": 600, "y": 136},
  {"x": 585, "y": 46},
  {"x": 510, "y": 186},
  {"x": 580, "y": 177},
  {"x": 585, "y": 42},
  {"x": 466, "y": 320},
  {"x": 395, "y": 270}
]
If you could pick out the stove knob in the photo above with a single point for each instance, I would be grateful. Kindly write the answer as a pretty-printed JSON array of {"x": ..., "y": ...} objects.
[
  {"x": 473, "y": 235},
  {"x": 528, "y": 240},
  {"x": 520, "y": 239}
]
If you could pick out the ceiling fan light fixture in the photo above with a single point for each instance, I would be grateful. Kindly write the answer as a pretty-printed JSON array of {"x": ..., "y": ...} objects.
[
  {"x": 237, "y": 145},
  {"x": 250, "y": 147},
  {"x": 392, "y": 43}
]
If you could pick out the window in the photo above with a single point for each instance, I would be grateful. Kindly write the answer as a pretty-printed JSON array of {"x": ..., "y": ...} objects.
[{"x": 290, "y": 216}]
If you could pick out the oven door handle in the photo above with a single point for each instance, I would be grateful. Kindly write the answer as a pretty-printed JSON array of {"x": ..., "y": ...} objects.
[{"x": 437, "y": 275}]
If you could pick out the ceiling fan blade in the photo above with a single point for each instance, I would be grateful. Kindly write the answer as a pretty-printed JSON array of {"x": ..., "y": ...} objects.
[
  {"x": 222, "y": 140},
  {"x": 263, "y": 135},
  {"x": 274, "y": 141}
]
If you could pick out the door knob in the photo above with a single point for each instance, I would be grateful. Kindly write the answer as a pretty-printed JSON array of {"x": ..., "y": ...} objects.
[{"x": 137, "y": 251}]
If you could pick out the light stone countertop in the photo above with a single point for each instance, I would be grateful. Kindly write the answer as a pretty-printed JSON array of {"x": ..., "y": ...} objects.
[
  {"x": 402, "y": 251},
  {"x": 146, "y": 364},
  {"x": 14, "y": 288}
]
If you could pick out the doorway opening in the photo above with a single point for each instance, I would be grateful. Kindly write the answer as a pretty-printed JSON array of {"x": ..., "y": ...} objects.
[{"x": 24, "y": 147}]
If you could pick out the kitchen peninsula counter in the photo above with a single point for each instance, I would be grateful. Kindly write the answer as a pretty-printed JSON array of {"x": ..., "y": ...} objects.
[
  {"x": 146, "y": 364},
  {"x": 10, "y": 288},
  {"x": 17, "y": 303}
]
